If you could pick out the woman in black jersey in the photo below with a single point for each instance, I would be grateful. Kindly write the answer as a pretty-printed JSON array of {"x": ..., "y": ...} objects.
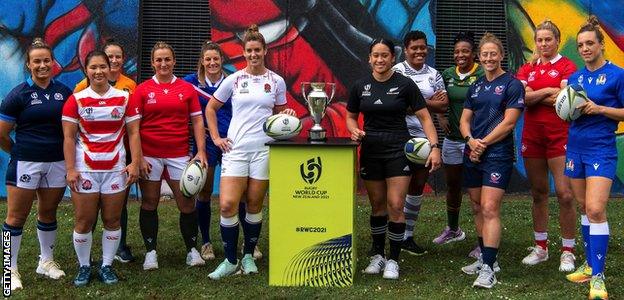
[{"x": 385, "y": 98}]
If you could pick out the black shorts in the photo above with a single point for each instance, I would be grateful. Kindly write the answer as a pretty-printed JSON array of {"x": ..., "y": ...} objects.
[{"x": 382, "y": 168}]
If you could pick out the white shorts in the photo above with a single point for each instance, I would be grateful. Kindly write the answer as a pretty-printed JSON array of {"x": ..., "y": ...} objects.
[
  {"x": 246, "y": 164},
  {"x": 33, "y": 175},
  {"x": 102, "y": 182},
  {"x": 174, "y": 166},
  {"x": 453, "y": 152}
]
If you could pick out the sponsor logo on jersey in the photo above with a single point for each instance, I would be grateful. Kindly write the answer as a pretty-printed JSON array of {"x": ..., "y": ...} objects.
[
  {"x": 580, "y": 80},
  {"x": 378, "y": 101},
  {"x": 495, "y": 177},
  {"x": 499, "y": 90},
  {"x": 267, "y": 88},
  {"x": 569, "y": 165},
  {"x": 393, "y": 91},
  {"x": 596, "y": 165},
  {"x": 524, "y": 147},
  {"x": 602, "y": 79},
  {"x": 87, "y": 113},
  {"x": 431, "y": 81},
  {"x": 542, "y": 72},
  {"x": 366, "y": 92},
  {"x": 181, "y": 96},
  {"x": 25, "y": 178},
  {"x": 487, "y": 88},
  {"x": 553, "y": 73},
  {"x": 35, "y": 101},
  {"x": 58, "y": 96},
  {"x": 166, "y": 91},
  {"x": 590, "y": 79},
  {"x": 245, "y": 84},
  {"x": 531, "y": 76},
  {"x": 87, "y": 185},
  {"x": 407, "y": 169},
  {"x": 114, "y": 186},
  {"x": 102, "y": 102},
  {"x": 311, "y": 170},
  {"x": 47, "y": 96}
]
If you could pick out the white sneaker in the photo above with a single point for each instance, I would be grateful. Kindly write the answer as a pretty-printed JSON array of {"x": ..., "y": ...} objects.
[
  {"x": 50, "y": 269},
  {"x": 376, "y": 264},
  {"x": 16, "y": 280},
  {"x": 151, "y": 261},
  {"x": 567, "y": 261},
  {"x": 193, "y": 258},
  {"x": 537, "y": 255},
  {"x": 391, "y": 271},
  {"x": 486, "y": 278},
  {"x": 207, "y": 253},
  {"x": 475, "y": 267}
]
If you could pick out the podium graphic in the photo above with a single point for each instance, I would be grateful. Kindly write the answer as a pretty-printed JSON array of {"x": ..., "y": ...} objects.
[{"x": 311, "y": 211}]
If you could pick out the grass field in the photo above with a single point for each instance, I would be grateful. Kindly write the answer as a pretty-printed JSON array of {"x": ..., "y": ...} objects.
[{"x": 436, "y": 275}]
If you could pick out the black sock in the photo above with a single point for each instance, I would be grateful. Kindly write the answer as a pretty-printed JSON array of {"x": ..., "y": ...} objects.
[
  {"x": 480, "y": 239},
  {"x": 188, "y": 228},
  {"x": 489, "y": 256},
  {"x": 124, "y": 225},
  {"x": 229, "y": 236},
  {"x": 251, "y": 232},
  {"x": 453, "y": 218},
  {"x": 148, "y": 221},
  {"x": 379, "y": 225},
  {"x": 395, "y": 235}
]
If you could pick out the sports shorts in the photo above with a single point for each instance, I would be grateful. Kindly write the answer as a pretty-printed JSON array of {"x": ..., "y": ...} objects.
[
  {"x": 246, "y": 164},
  {"x": 102, "y": 182},
  {"x": 214, "y": 153},
  {"x": 173, "y": 166},
  {"x": 382, "y": 168},
  {"x": 493, "y": 173},
  {"x": 581, "y": 166},
  {"x": 32, "y": 175},
  {"x": 453, "y": 152},
  {"x": 544, "y": 140}
]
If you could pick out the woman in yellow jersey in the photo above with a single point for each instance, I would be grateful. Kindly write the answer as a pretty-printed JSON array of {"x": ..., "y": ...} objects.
[{"x": 118, "y": 80}]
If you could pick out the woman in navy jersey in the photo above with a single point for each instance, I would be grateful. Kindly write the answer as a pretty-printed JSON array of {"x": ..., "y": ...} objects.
[
  {"x": 493, "y": 105},
  {"x": 36, "y": 167},
  {"x": 385, "y": 98},
  {"x": 591, "y": 158}
]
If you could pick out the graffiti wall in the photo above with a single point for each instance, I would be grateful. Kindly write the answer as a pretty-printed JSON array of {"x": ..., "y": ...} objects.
[{"x": 72, "y": 29}]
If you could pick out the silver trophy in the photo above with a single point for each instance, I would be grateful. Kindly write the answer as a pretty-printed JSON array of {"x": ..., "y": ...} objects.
[{"x": 317, "y": 103}]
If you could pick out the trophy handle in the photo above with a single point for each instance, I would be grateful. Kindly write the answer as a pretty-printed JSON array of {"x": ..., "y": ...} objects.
[
  {"x": 303, "y": 90},
  {"x": 333, "y": 91}
]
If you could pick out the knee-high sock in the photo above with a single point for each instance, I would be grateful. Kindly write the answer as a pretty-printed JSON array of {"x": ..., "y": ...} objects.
[
  {"x": 489, "y": 256},
  {"x": 395, "y": 235},
  {"x": 586, "y": 239},
  {"x": 110, "y": 243},
  {"x": 203, "y": 219},
  {"x": 411, "y": 210},
  {"x": 46, "y": 232},
  {"x": 124, "y": 225},
  {"x": 82, "y": 245},
  {"x": 379, "y": 225},
  {"x": 599, "y": 236},
  {"x": 188, "y": 228},
  {"x": 16, "y": 241},
  {"x": 148, "y": 221},
  {"x": 229, "y": 235},
  {"x": 452, "y": 212},
  {"x": 251, "y": 229}
]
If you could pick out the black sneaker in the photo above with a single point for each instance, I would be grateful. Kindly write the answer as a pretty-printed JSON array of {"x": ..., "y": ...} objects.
[
  {"x": 410, "y": 246},
  {"x": 124, "y": 254}
]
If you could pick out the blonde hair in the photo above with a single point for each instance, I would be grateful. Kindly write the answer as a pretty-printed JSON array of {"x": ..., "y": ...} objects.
[
  {"x": 253, "y": 34},
  {"x": 491, "y": 38},
  {"x": 201, "y": 70},
  {"x": 546, "y": 25}
]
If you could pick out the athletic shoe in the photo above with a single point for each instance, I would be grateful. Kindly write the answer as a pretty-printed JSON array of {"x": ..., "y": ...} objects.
[
  {"x": 223, "y": 270},
  {"x": 16, "y": 280},
  {"x": 486, "y": 278},
  {"x": 475, "y": 253},
  {"x": 107, "y": 275},
  {"x": 582, "y": 274},
  {"x": 476, "y": 266},
  {"x": 412, "y": 248},
  {"x": 124, "y": 255},
  {"x": 567, "y": 261},
  {"x": 377, "y": 263},
  {"x": 151, "y": 261},
  {"x": 248, "y": 265},
  {"x": 194, "y": 259},
  {"x": 448, "y": 236},
  {"x": 537, "y": 255},
  {"x": 597, "y": 288},
  {"x": 50, "y": 269},
  {"x": 256, "y": 253},
  {"x": 83, "y": 277},
  {"x": 391, "y": 271},
  {"x": 207, "y": 253}
]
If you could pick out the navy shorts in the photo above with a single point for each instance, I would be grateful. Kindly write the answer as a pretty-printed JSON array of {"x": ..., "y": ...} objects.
[
  {"x": 212, "y": 151},
  {"x": 581, "y": 166},
  {"x": 382, "y": 168},
  {"x": 494, "y": 173}
]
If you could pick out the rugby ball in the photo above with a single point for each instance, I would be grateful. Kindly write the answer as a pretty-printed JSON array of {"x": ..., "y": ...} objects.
[
  {"x": 282, "y": 126},
  {"x": 193, "y": 179},
  {"x": 417, "y": 150},
  {"x": 569, "y": 98}
]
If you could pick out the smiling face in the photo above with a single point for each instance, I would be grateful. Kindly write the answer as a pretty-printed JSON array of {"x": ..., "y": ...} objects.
[
  {"x": 254, "y": 53},
  {"x": 40, "y": 64},
  {"x": 212, "y": 62},
  {"x": 115, "y": 56},
  {"x": 163, "y": 62},
  {"x": 381, "y": 58},
  {"x": 97, "y": 70},
  {"x": 416, "y": 53},
  {"x": 491, "y": 57},
  {"x": 463, "y": 55},
  {"x": 590, "y": 49},
  {"x": 546, "y": 43}
]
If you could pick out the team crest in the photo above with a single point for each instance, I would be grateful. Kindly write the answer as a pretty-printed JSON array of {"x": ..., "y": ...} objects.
[
  {"x": 267, "y": 88},
  {"x": 570, "y": 165},
  {"x": 58, "y": 96},
  {"x": 25, "y": 178},
  {"x": 33, "y": 95},
  {"x": 472, "y": 79},
  {"x": 542, "y": 72},
  {"x": 602, "y": 79},
  {"x": 181, "y": 96},
  {"x": 87, "y": 185},
  {"x": 495, "y": 177},
  {"x": 580, "y": 80},
  {"x": 431, "y": 81},
  {"x": 553, "y": 73},
  {"x": 151, "y": 98},
  {"x": 499, "y": 90},
  {"x": 115, "y": 113},
  {"x": 524, "y": 147},
  {"x": 531, "y": 76}
]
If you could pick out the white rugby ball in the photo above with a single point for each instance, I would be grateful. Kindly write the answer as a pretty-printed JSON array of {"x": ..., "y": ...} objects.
[
  {"x": 193, "y": 179},
  {"x": 569, "y": 98},
  {"x": 282, "y": 126},
  {"x": 417, "y": 150}
]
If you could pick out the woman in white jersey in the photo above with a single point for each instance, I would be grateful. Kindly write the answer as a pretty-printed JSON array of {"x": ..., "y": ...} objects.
[
  {"x": 256, "y": 93},
  {"x": 431, "y": 86}
]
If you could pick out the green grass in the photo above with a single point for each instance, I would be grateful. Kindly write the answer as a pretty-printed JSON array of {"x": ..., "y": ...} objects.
[{"x": 436, "y": 275}]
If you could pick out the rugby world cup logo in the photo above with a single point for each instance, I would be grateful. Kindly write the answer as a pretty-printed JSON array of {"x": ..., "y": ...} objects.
[{"x": 311, "y": 170}]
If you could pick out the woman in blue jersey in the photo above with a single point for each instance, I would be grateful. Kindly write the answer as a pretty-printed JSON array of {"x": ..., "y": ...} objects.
[
  {"x": 34, "y": 109},
  {"x": 591, "y": 157},
  {"x": 492, "y": 107}
]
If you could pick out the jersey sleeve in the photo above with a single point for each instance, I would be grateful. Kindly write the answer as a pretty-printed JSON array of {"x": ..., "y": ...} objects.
[
  {"x": 193, "y": 105},
  {"x": 11, "y": 107},
  {"x": 568, "y": 69},
  {"x": 133, "y": 112},
  {"x": 353, "y": 103},
  {"x": 414, "y": 97},
  {"x": 280, "y": 92},
  {"x": 81, "y": 86},
  {"x": 225, "y": 90},
  {"x": 439, "y": 82},
  {"x": 70, "y": 110},
  {"x": 515, "y": 95},
  {"x": 523, "y": 73},
  {"x": 468, "y": 102}
]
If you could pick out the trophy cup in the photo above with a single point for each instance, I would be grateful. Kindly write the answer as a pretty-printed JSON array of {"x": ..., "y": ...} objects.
[{"x": 317, "y": 102}]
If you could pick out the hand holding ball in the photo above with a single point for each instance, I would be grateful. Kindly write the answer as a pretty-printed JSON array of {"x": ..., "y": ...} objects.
[
  {"x": 193, "y": 179},
  {"x": 417, "y": 150},
  {"x": 568, "y": 101}
]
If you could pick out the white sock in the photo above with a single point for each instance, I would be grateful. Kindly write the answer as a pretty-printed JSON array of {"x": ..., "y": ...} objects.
[
  {"x": 568, "y": 243},
  {"x": 110, "y": 243},
  {"x": 540, "y": 236},
  {"x": 16, "y": 242},
  {"x": 46, "y": 243},
  {"x": 82, "y": 245},
  {"x": 411, "y": 209}
]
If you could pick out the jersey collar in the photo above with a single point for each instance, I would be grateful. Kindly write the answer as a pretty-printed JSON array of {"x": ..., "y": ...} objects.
[
  {"x": 552, "y": 61},
  {"x": 216, "y": 84},
  {"x": 475, "y": 66},
  {"x": 156, "y": 80},
  {"x": 31, "y": 83}
]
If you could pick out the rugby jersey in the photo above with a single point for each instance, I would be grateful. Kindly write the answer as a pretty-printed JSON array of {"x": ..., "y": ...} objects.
[
  {"x": 457, "y": 86},
  {"x": 123, "y": 83},
  {"x": 205, "y": 91}
]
